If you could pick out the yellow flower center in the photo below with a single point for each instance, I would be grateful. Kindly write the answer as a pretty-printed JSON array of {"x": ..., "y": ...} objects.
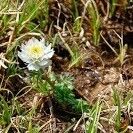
[{"x": 35, "y": 51}]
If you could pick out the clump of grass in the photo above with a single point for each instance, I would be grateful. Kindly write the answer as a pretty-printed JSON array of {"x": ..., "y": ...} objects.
[
  {"x": 117, "y": 102},
  {"x": 76, "y": 56},
  {"x": 113, "y": 4},
  {"x": 33, "y": 10},
  {"x": 123, "y": 49},
  {"x": 95, "y": 21},
  {"x": 77, "y": 19},
  {"x": 93, "y": 118},
  {"x": 76, "y": 59},
  {"x": 121, "y": 105},
  {"x": 6, "y": 112},
  {"x": 121, "y": 55},
  {"x": 116, "y": 3},
  {"x": 23, "y": 19}
]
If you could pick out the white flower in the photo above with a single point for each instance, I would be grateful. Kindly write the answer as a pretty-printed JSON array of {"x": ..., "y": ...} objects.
[{"x": 36, "y": 54}]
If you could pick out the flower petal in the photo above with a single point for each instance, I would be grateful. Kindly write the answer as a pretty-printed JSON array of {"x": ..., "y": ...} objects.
[
  {"x": 43, "y": 62},
  {"x": 48, "y": 55},
  {"x": 48, "y": 48},
  {"x": 23, "y": 56},
  {"x": 48, "y": 64},
  {"x": 33, "y": 67},
  {"x": 42, "y": 40}
]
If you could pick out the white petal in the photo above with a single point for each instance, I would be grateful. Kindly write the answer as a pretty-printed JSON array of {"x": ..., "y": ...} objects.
[
  {"x": 23, "y": 56},
  {"x": 48, "y": 52},
  {"x": 48, "y": 64},
  {"x": 42, "y": 63},
  {"x": 32, "y": 41},
  {"x": 23, "y": 47},
  {"x": 48, "y": 48},
  {"x": 33, "y": 67},
  {"x": 42, "y": 40}
]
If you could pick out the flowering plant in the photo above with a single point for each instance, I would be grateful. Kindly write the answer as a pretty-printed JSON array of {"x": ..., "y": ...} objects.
[{"x": 36, "y": 54}]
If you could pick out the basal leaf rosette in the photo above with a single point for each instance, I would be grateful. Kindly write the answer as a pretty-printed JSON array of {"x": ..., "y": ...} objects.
[{"x": 36, "y": 54}]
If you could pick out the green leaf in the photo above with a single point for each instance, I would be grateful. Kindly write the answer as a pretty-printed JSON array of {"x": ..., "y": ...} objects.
[{"x": 92, "y": 124}]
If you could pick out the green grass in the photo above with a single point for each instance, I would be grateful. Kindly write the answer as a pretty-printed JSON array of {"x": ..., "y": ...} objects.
[
  {"x": 121, "y": 104},
  {"x": 113, "y": 4},
  {"x": 121, "y": 53},
  {"x": 23, "y": 110},
  {"x": 93, "y": 116},
  {"x": 117, "y": 102},
  {"x": 95, "y": 22}
]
